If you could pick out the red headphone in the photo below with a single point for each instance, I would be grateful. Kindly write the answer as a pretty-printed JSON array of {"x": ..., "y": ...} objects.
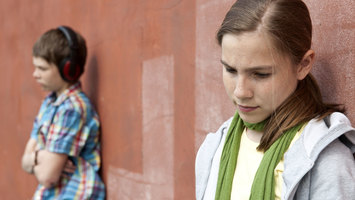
[{"x": 69, "y": 68}]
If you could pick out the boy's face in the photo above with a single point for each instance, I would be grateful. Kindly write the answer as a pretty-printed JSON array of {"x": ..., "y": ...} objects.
[{"x": 47, "y": 75}]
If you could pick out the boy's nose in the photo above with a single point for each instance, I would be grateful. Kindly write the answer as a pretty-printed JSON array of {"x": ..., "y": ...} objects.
[{"x": 35, "y": 74}]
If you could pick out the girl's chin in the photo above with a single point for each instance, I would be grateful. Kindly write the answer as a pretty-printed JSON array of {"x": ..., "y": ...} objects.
[{"x": 251, "y": 120}]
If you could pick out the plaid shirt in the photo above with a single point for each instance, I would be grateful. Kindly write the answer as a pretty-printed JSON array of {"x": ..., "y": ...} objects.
[{"x": 69, "y": 125}]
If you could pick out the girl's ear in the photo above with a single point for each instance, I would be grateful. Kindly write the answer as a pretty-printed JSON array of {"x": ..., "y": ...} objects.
[{"x": 305, "y": 65}]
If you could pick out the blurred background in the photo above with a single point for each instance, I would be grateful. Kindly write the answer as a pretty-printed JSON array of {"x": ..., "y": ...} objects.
[{"x": 153, "y": 73}]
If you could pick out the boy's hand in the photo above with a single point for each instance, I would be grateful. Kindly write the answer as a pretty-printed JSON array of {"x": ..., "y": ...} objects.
[
  {"x": 29, "y": 156},
  {"x": 69, "y": 167}
]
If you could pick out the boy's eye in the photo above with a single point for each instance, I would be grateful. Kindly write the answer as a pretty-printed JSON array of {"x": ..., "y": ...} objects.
[{"x": 42, "y": 68}]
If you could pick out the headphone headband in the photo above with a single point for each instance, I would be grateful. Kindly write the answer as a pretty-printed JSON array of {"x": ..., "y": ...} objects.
[
  {"x": 70, "y": 36},
  {"x": 69, "y": 68}
]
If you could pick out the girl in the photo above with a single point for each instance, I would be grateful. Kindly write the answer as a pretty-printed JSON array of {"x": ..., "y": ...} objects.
[{"x": 283, "y": 142}]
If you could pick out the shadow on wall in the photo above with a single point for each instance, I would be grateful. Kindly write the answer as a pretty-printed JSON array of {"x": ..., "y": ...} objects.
[
  {"x": 92, "y": 80},
  {"x": 326, "y": 79}
]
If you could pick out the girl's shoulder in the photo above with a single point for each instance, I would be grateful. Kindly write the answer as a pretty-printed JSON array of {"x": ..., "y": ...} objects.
[
  {"x": 214, "y": 138},
  {"x": 319, "y": 133}
]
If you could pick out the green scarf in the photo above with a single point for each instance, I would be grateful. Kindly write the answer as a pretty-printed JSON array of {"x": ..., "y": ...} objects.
[{"x": 263, "y": 187}]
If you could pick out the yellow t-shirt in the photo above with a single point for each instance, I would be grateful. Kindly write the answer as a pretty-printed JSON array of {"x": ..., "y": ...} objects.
[{"x": 247, "y": 165}]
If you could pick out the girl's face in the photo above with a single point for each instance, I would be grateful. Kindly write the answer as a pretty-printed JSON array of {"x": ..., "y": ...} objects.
[{"x": 256, "y": 78}]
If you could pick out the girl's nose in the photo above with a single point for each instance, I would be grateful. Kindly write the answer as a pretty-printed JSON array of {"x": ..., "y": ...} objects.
[{"x": 242, "y": 89}]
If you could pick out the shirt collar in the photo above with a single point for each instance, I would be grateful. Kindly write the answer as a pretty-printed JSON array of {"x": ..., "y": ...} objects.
[{"x": 58, "y": 100}]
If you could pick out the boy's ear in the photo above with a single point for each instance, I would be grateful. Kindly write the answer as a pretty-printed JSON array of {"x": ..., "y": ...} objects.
[{"x": 305, "y": 65}]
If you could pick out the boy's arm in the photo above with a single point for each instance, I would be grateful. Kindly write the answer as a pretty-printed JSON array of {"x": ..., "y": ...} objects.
[
  {"x": 28, "y": 156},
  {"x": 53, "y": 160},
  {"x": 49, "y": 167}
]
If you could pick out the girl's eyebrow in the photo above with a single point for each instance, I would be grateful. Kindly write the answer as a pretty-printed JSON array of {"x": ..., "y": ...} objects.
[
  {"x": 225, "y": 64},
  {"x": 255, "y": 68}
]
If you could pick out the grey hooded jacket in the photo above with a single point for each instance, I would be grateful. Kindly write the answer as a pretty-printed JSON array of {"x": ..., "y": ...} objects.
[{"x": 318, "y": 166}]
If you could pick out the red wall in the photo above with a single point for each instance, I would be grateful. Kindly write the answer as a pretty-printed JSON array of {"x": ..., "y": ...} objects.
[{"x": 153, "y": 74}]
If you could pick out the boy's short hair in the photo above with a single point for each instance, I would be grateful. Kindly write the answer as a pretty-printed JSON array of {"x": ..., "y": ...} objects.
[{"x": 53, "y": 46}]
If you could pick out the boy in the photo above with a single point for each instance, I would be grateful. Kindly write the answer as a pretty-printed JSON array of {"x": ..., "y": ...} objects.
[{"x": 63, "y": 151}]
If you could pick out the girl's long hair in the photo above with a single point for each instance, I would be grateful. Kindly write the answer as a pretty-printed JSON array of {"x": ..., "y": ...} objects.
[{"x": 288, "y": 25}]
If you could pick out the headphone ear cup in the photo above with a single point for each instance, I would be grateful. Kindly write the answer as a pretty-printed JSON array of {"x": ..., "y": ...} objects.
[
  {"x": 63, "y": 68},
  {"x": 69, "y": 70},
  {"x": 74, "y": 71}
]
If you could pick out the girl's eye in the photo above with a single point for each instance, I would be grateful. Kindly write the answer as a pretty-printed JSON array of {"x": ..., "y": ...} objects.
[
  {"x": 230, "y": 70},
  {"x": 261, "y": 75}
]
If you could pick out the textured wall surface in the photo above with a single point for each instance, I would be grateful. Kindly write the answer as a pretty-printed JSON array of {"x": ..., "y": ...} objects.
[
  {"x": 154, "y": 75},
  {"x": 334, "y": 44}
]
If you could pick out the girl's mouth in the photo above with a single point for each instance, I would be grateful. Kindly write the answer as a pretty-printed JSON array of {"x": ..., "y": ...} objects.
[{"x": 247, "y": 108}]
